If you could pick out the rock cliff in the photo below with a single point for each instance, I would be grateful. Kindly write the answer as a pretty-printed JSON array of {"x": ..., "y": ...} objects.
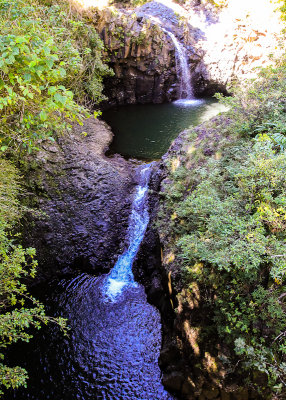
[
  {"x": 141, "y": 54},
  {"x": 240, "y": 40},
  {"x": 83, "y": 201}
]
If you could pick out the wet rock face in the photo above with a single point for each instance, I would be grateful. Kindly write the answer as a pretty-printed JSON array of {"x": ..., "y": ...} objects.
[
  {"x": 147, "y": 268},
  {"x": 85, "y": 198}
]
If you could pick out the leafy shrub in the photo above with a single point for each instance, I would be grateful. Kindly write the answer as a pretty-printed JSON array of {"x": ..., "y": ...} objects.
[
  {"x": 228, "y": 223},
  {"x": 46, "y": 66},
  {"x": 51, "y": 69}
]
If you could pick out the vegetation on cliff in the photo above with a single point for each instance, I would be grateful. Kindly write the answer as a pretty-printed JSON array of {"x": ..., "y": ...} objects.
[
  {"x": 51, "y": 67},
  {"x": 19, "y": 310},
  {"x": 51, "y": 70},
  {"x": 226, "y": 202}
]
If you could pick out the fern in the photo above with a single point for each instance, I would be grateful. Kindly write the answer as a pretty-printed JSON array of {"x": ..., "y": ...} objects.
[{"x": 279, "y": 140}]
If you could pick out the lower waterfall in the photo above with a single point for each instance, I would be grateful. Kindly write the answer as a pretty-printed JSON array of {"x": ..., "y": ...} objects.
[{"x": 121, "y": 274}]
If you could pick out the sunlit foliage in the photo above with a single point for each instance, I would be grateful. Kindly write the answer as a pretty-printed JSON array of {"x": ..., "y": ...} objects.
[{"x": 229, "y": 216}]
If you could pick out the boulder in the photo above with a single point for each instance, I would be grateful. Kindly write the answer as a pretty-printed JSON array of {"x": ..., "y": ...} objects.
[{"x": 83, "y": 201}]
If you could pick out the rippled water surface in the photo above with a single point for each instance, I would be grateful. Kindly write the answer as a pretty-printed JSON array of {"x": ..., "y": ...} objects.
[{"x": 111, "y": 353}]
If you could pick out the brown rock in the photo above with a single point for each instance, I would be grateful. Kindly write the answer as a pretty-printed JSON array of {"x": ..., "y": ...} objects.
[
  {"x": 242, "y": 394},
  {"x": 173, "y": 381},
  {"x": 224, "y": 395},
  {"x": 188, "y": 388},
  {"x": 211, "y": 393}
]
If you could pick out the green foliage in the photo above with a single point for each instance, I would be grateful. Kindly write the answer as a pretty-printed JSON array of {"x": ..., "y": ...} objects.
[
  {"x": 229, "y": 227},
  {"x": 282, "y": 8},
  {"x": 130, "y": 3},
  {"x": 140, "y": 39},
  {"x": 217, "y": 3},
  {"x": 259, "y": 105},
  {"x": 46, "y": 65}
]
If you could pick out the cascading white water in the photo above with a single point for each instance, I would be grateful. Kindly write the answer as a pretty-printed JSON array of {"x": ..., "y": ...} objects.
[
  {"x": 186, "y": 90},
  {"x": 186, "y": 95},
  {"x": 121, "y": 274}
]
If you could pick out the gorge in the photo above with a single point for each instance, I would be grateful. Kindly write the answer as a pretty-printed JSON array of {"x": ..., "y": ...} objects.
[{"x": 144, "y": 238}]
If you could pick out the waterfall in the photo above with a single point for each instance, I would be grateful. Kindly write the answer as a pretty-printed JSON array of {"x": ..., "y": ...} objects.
[
  {"x": 186, "y": 90},
  {"x": 121, "y": 274}
]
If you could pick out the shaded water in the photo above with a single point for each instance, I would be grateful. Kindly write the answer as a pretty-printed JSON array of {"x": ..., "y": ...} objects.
[
  {"x": 111, "y": 353},
  {"x": 146, "y": 131}
]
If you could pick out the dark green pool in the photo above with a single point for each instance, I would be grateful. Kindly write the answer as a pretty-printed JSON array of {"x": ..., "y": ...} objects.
[{"x": 146, "y": 131}]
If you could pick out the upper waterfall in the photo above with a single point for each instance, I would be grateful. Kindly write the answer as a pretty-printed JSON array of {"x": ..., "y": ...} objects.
[{"x": 186, "y": 90}]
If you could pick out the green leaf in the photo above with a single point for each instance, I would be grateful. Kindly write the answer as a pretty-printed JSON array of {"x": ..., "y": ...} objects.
[
  {"x": 60, "y": 99},
  {"x": 50, "y": 63},
  {"x": 43, "y": 116},
  {"x": 32, "y": 63},
  {"x": 62, "y": 72},
  {"x": 52, "y": 90},
  {"x": 46, "y": 50},
  {"x": 21, "y": 39},
  {"x": 27, "y": 76}
]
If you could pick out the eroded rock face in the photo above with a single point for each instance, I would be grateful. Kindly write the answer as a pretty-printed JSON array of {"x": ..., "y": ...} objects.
[
  {"x": 141, "y": 54},
  {"x": 85, "y": 198},
  {"x": 143, "y": 63}
]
